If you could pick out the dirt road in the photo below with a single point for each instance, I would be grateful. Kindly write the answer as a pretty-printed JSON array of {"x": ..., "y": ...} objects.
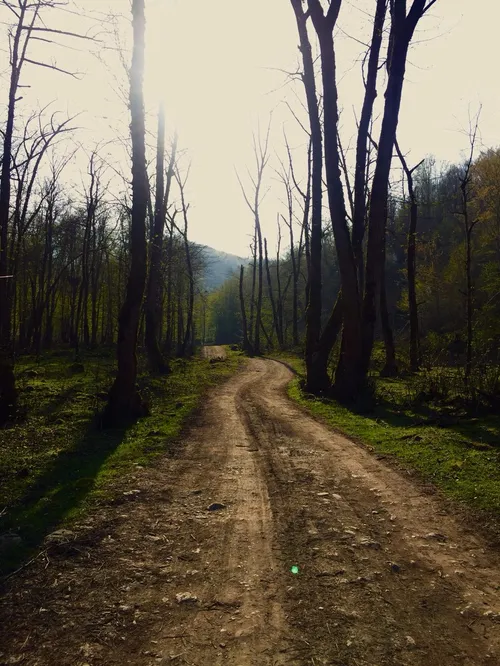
[{"x": 386, "y": 575}]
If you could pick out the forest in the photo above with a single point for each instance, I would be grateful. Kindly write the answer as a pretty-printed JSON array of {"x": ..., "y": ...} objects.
[{"x": 141, "y": 370}]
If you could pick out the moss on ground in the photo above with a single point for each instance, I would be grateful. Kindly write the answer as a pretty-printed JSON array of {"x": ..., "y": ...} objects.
[
  {"x": 461, "y": 456},
  {"x": 57, "y": 461}
]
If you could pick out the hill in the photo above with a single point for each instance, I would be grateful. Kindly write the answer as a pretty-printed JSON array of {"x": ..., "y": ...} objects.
[{"x": 220, "y": 265}]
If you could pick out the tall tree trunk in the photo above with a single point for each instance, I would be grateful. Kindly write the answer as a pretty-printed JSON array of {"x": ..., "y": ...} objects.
[
  {"x": 124, "y": 399},
  {"x": 316, "y": 373},
  {"x": 153, "y": 299},
  {"x": 347, "y": 376},
  {"x": 8, "y": 393},
  {"x": 360, "y": 175},
  {"x": 402, "y": 30},
  {"x": 330, "y": 334}
]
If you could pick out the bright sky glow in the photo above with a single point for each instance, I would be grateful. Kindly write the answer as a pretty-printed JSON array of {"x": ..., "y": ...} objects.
[{"x": 216, "y": 65}]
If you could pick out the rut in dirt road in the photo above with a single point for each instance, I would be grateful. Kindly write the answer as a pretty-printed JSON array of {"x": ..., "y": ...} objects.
[{"x": 387, "y": 577}]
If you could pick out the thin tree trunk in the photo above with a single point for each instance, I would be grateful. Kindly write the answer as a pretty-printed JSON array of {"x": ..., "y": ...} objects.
[
  {"x": 246, "y": 343},
  {"x": 252, "y": 297},
  {"x": 169, "y": 305},
  {"x": 411, "y": 264},
  {"x": 271, "y": 298},
  {"x": 260, "y": 284},
  {"x": 412, "y": 291},
  {"x": 390, "y": 368},
  {"x": 470, "y": 298}
]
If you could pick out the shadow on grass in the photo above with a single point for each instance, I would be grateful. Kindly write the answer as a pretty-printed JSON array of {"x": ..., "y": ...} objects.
[
  {"x": 57, "y": 491},
  {"x": 484, "y": 432},
  {"x": 53, "y": 406},
  {"x": 481, "y": 433}
]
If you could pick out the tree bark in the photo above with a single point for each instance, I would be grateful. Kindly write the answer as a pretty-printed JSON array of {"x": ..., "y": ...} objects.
[
  {"x": 360, "y": 175},
  {"x": 8, "y": 393},
  {"x": 347, "y": 376},
  {"x": 124, "y": 399},
  {"x": 153, "y": 299},
  {"x": 402, "y": 30},
  {"x": 316, "y": 375}
]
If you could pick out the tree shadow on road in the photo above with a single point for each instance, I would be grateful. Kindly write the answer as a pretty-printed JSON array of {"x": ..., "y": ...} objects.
[{"x": 57, "y": 491}]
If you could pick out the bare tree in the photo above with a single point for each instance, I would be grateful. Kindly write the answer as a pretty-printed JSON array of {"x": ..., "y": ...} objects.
[
  {"x": 261, "y": 154},
  {"x": 186, "y": 344}
]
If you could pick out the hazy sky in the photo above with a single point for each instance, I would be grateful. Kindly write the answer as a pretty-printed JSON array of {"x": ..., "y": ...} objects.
[{"x": 217, "y": 66}]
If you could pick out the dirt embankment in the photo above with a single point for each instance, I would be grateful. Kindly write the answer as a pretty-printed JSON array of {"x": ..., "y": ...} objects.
[{"x": 193, "y": 563}]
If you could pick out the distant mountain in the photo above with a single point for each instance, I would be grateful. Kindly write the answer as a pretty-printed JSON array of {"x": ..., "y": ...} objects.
[{"x": 220, "y": 266}]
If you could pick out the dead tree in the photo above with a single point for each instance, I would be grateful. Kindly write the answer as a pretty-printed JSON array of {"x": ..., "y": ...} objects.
[
  {"x": 261, "y": 154},
  {"x": 124, "y": 399},
  {"x": 186, "y": 342}
]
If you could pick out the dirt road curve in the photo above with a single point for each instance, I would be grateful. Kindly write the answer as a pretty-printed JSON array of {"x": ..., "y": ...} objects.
[{"x": 386, "y": 575}]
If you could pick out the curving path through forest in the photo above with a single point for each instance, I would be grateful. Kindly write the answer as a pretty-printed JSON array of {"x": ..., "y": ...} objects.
[{"x": 193, "y": 565}]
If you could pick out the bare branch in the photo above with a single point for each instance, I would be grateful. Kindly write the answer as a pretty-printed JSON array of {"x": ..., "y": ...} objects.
[{"x": 75, "y": 75}]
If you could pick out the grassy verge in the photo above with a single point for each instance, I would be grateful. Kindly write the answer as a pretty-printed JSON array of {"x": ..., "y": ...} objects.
[
  {"x": 57, "y": 461},
  {"x": 460, "y": 456}
]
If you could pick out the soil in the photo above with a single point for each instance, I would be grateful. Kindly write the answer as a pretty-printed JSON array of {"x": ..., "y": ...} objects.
[{"x": 268, "y": 539}]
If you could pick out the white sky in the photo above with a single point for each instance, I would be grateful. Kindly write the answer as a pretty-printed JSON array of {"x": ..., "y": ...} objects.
[{"x": 215, "y": 63}]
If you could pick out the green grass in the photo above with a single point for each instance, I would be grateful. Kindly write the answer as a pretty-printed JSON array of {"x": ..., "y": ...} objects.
[
  {"x": 462, "y": 458},
  {"x": 57, "y": 462}
]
